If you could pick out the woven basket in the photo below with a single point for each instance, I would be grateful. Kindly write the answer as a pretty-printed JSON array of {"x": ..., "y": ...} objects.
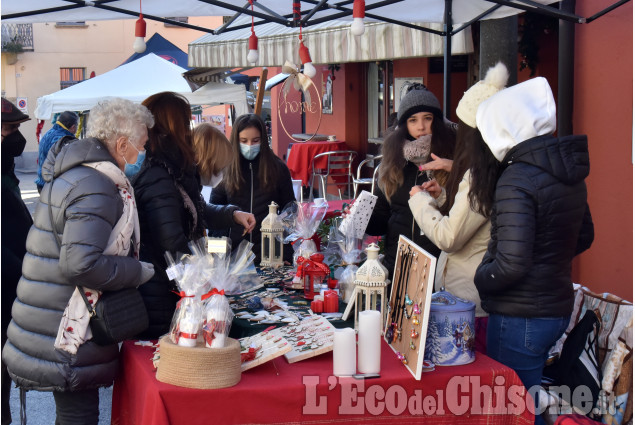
[{"x": 199, "y": 367}]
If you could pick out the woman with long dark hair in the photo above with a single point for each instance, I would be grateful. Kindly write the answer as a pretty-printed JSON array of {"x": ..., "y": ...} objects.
[
  {"x": 172, "y": 211},
  {"x": 456, "y": 219},
  {"x": 255, "y": 178},
  {"x": 419, "y": 117},
  {"x": 540, "y": 222}
]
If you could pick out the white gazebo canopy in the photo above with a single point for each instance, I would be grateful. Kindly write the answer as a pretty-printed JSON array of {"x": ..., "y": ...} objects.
[{"x": 136, "y": 81}]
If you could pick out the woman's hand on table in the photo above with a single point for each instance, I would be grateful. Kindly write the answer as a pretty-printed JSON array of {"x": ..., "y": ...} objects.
[
  {"x": 247, "y": 220},
  {"x": 437, "y": 163}
]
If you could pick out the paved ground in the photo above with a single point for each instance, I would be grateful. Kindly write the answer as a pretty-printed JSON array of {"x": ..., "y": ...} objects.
[{"x": 40, "y": 407}]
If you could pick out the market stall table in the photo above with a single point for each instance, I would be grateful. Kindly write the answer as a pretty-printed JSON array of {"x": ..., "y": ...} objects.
[
  {"x": 282, "y": 393},
  {"x": 301, "y": 155}
]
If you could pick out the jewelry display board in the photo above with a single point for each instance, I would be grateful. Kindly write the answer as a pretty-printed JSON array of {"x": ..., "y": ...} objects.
[
  {"x": 308, "y": 338},
  {"x": 267, "y": 347},
  {"x": 409, "y": 306}
]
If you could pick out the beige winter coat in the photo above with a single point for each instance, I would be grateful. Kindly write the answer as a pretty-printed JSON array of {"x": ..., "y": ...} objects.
[{"x": 462, "y": 235}]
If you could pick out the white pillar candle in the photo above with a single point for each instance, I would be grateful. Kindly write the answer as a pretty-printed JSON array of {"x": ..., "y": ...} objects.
[
  {"x": 369, "y": 342},
  {"x": 344, "y": 355}
]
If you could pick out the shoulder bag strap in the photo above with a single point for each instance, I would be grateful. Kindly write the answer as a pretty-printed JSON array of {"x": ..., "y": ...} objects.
[{"x": 90, "y": 308}]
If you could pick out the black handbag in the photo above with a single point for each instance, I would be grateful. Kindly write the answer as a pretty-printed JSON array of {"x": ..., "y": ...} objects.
[{"x": 117, "y": 315}]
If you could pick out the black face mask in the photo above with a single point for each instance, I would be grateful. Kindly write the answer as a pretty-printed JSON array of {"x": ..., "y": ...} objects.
[{"x": 13, "y": 145}]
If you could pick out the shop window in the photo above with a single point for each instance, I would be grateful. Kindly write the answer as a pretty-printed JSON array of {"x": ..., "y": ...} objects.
[
  {"x": 71, "y": 76},
  {"x": 380, "y": 97}
]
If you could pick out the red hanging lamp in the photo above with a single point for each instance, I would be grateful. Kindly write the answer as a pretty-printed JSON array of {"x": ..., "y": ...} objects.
[
  {"x": 359, "y": 9},
  {"x": 139, "y": 45},
  {"x": 253, "y": 56},
  {"x": 303, "y": 51}
]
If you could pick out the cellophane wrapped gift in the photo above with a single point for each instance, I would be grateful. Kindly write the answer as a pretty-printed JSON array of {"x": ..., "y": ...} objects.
[
  {"x": 218, "y": 319},
  {"x": 300, "y": 222},
  {"x": 352, "y": 253},
  {"x": 235, "y": 273},
  {"x": 192, "y": 276}
]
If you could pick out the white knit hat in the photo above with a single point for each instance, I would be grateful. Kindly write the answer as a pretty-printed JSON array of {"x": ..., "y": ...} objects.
[{"x": 494, "y": 81}]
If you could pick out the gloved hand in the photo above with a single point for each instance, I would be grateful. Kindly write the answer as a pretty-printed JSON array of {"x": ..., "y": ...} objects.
[{"x": 147, "y": 271}]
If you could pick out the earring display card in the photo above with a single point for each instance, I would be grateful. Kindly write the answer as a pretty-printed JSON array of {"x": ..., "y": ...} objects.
[
  {"x": 359, "y": 215},
  {"x": 308, "y": 338},
  {"x": 266, "y": 346},
  {"x": 409, "y": 307}
]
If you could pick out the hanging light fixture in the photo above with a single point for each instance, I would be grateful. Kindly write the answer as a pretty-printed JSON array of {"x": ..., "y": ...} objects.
[
  {"x": 303, "y": 51},
  {"x": 357, "y": 27},
  {"x": 139, "y": 45},
  {"x": 252, "y": 56},
  {"x": 305, "y": 57}
]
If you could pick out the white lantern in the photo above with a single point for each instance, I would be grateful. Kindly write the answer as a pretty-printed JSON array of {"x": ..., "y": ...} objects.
[
  {"x": 271, "y": 248},
  {"x": 370, "y": 286}
]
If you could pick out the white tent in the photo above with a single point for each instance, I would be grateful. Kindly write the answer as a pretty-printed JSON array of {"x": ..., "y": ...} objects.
[
  {"x": 136, "y": 81},
  {"x": 221, "y": 93}
]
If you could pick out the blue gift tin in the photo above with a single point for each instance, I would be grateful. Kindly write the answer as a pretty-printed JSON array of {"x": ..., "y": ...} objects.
[{"x": 450, "y": 337}]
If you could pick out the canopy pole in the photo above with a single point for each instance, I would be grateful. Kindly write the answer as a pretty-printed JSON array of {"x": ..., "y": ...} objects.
[
  {"x": 261, "y": 91},
  {"x": 447, "y": 58},
  {"x": 566, "y": 39}
]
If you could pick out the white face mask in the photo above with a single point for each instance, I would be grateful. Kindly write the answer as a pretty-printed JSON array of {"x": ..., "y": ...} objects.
[{"x": 214, "y": 180}]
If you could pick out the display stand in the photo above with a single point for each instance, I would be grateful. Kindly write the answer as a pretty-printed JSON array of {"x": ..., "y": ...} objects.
[{"x": 409, "y": 307}]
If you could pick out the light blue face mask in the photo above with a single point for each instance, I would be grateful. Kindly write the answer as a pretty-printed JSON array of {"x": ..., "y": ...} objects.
[
  {"x": 131, "y": 169},
  {"x": 249, "y": 152}
]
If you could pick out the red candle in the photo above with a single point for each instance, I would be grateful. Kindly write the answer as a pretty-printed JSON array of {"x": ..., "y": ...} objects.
[
  {"x": 331, "y": 302},
  {"x": 317, "y": 306}
]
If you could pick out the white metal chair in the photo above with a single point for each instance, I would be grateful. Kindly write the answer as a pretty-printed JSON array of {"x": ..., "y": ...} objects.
[
  {"x": 359, "y": 180},
  {"x": 339, "y": 167}
]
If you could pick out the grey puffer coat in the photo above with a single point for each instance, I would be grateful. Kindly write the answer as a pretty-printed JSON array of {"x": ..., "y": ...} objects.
[{"x": 86, "y": 207}]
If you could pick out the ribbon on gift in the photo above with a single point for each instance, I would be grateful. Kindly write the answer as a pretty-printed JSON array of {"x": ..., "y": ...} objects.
[
  {"x": 315, "y": 260},
  {"x": 212, "y": 293},
  {"x": 181, "y": 294},
  {"x": 297, "y": 80}
]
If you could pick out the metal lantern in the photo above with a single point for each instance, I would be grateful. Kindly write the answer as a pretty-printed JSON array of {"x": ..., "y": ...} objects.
[
  {"x": 370, "y": 286},
  {"x": 272, "y": 245},
  {"x": 315, "y": 275}
]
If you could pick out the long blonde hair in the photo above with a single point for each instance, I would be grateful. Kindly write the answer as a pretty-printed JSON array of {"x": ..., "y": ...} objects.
[{"x": 212, "y": 150}]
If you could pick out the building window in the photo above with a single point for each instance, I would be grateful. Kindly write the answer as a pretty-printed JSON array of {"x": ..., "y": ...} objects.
[
  {"x": 181, "y": 19},
  {"x": 380, "y": 97},
  {"x": 71, "y": 76}
]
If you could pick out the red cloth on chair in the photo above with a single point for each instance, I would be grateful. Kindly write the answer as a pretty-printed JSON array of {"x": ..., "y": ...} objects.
[
  {"x": 283, "y": 393},
  {"x": 301, "y": 155}
]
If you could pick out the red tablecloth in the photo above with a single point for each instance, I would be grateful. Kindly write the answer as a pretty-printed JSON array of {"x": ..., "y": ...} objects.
[
  {"x": 301, "y": 155},
  {"x": 282, "y": 393}
]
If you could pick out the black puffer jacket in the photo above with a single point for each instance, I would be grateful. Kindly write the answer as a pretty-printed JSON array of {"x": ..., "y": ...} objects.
[
  {"x": 395, "y": 218},
  {"x": 16, "y": 222},
  {"x": 255, "y": 198},
  {"x": 86, "y": 207},
  {"x": 540, "y": 221},
  {"x": 168, "y": 225}
]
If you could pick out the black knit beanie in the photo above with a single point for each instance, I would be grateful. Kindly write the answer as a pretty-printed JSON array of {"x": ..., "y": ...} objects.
[{"x": 418, "y": 101}]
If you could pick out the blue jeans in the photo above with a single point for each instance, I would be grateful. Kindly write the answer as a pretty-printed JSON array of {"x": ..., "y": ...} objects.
[{"x": 523, "y": 343}]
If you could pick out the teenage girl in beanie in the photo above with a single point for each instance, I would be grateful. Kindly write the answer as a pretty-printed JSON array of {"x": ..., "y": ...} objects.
[
  {"x": 456, "y": 219},
  {"x": 419, "y": 117}
]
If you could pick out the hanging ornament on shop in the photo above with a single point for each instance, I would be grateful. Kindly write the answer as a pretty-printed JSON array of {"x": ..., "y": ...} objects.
[
  {"x": 139, "y": 45},
  {"x": 305, "y": 57},
  {"x": 359, "y": 8},
  {"x": 253, "y": 56}
]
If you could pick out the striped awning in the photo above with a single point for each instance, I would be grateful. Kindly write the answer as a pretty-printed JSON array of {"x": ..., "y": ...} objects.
[{"x": 329, "y": 42}]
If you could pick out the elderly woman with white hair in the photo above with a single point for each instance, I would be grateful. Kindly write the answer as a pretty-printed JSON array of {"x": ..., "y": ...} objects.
[{"x": 85, "y": 233}]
